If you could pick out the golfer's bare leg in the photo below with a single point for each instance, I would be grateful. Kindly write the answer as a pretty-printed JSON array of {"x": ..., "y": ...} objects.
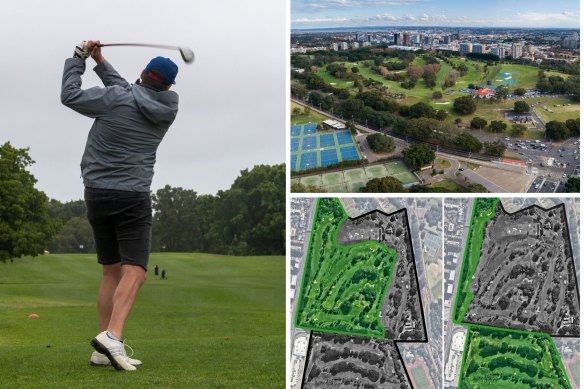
[
  {"x": 132, "y": 279},
  {"x": 105, "y": 297}
]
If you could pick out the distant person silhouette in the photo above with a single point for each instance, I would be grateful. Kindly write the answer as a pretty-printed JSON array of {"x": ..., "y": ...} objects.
[
  {"x": 163, "y": 274},
  {"x": 155, "y": 270}
]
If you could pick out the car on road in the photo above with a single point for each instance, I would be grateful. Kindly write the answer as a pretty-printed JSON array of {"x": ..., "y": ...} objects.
[{"x": 564, "y": 175}]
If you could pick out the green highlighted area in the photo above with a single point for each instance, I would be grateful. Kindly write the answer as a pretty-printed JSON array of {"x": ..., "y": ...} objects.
[
  {"x": 483, "y": 210},
  {"x": 343, "y": 286},
  {"x": 495, "y": 359}
]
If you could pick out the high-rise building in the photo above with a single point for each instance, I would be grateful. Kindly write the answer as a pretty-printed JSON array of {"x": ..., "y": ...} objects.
[
  {"x": 368, "y": 37},
  {"x": 407, "y": 39},
  {"x": 427, "y": 40},
  {"x": 446, "y": 39},
  {"x": 465, "y": 48},
  {"x": 570, "y": 43},
  {"x": 517, "y": 50},
  {"x": 344, "y": 46},
  {"x": 498, "y": 51},
  {"x": 396, "y": 39},
  {"x": 478, "y": 48},
  {"x": 357, "y": 37},
  {"x": 355, "y": 45},
  {"x": 366, "y": 44},
  {"x": 335, "y": 46}
]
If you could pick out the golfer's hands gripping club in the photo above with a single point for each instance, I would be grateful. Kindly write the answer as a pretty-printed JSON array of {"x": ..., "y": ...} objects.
[
  {"x": 95, "y": 50},
  {"x": 81, "y": 51}
]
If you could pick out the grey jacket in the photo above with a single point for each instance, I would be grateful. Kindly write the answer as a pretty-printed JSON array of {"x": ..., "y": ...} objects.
[{"x": 130, "y": 122}]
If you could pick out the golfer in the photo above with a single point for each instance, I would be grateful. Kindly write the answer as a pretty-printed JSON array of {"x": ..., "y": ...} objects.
[{"x": 117, "y": 168}]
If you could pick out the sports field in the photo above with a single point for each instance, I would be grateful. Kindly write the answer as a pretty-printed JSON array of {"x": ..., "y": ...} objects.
[
  {"x": 309, "y": 149},
  {"x": 351, "y": 180},
  {"x": 342, "y": 286},
  {"x": 217, "y": 322}
]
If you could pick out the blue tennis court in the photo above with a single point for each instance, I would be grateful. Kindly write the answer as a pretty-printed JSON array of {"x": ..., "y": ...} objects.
[
  {"x": 295, "y": 130},
  {"x": 327, "y": 140},
  {"x": 344, "y": 137},
  {"x": 309, "y": 143},
  {"x": 349, "y": 153},
  {"x": 310, "y": 149},
  {"x": 309, "y": 128},
  {"x": 308, "y": 161},
  {"x": 328, "y": 157}
]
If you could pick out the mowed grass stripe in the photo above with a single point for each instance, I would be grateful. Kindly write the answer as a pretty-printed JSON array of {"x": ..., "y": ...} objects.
[{"x": 218, "y": 322}]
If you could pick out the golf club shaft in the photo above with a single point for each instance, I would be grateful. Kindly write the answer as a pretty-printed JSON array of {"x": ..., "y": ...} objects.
[{"x": 141, "y": 45}]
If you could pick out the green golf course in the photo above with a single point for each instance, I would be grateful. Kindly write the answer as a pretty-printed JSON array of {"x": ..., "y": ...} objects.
[
  {"x": 217, "y": 322},
  {"x": 343, "y": 286}
]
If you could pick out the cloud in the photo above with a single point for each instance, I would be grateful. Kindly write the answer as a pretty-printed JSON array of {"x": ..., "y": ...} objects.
[
  {"x": 319, "y": 20},
  {"x": 547, "y": 18},
  {"x": 322, "y": 5}
]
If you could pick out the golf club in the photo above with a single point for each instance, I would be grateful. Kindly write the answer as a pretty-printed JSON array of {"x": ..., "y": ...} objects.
[{"x": 186, "y": 53}]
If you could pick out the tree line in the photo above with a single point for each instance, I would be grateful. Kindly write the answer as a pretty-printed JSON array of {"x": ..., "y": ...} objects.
[{"x": 247, "y": 219}]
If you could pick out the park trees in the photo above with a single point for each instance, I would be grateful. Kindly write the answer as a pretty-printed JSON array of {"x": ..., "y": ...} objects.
[
  {"x": 520, "y": 91},
  {"x": 418, "y": 155},
  {"x": 478, "y": 123},
  {"x": 421, "y": 110},
  {"x": 556, "y": 130},
  {"x": 497, "y": 148},
  {"x": 380, "y": 143},
  {"x": 25, "y": 226},
  {"x": 383, "y": 185},
  {"x": 574, "y": 126},
  {"x": 464, "y": 105},
  {"x": 501, "y": 92},
  {"x": 521, "y": 107},
  {"x": 466, "y": 141},
  {"x": 518, "y": 129},
  {"x": 497, "y": 126},
  {"x": 573, "y": 185}
]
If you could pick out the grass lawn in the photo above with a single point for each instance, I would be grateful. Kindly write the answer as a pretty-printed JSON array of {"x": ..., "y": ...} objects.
[
  {"x": 332, "y": 80},
  {"x": 312, "y": 117},
  {"x": 217, "y": 322},
  {"x": 447, "y": 185},
  {"x": 561, "y": 113},
  {"x": 442, "y": 164}
]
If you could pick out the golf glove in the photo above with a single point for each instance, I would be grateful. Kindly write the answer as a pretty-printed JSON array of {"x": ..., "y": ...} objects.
[{"x": 81, "y": 51}]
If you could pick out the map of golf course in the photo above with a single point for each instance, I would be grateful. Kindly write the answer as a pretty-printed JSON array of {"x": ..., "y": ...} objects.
[
  {"x": 343, "y": 286},
  {"x": 517, "y": 289}
]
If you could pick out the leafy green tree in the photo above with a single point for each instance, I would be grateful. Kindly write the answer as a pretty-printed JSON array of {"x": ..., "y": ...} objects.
[
  {"x": 437, "y": 95},
  {"x": 298, "y": 187},
  {"x": 380, "y": 143},
  {"x": 464, "y": 105},
  {"x": 422, "y": 110},
  {"x": 466, "y": 141},
  {"x": 521, "y": 107},
  {"x": 497, "y": 148},
  {"x": 520, "y": 91},
  {"x": 518, "y": 129},
  {"x": 501, "y": 92},
  {"x": 497, "y": 126},
  {"x": 556, "y": 130},
  {"x": 418, "y": 155},
  {"x": 573, "y": 185},
  {"x": 478, "y": 123},
  {"x": 430, "y": 79},
  {"x": 574, "y": 126},
  {"x": 25, "y": 226},
  {"x": 76, "y": 236},
  {"x": 441, "y": 115},
  {"x": 355, "y": 69},
  {"x": 476, "y": 188},
  {"x": 383, "y": 185},
  {"x": 298, "y": 90}
]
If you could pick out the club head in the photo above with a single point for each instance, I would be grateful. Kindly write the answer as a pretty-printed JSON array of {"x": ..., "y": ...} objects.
[{"x": 187, "y": 54}]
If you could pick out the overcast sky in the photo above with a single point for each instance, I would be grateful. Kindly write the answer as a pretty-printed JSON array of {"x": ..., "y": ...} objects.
[
  {"x": 466, "y": 13},
  {"x": 232, "y": 110}
]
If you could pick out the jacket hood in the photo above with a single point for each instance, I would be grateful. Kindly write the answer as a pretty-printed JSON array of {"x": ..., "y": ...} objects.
[{"x": 158, "y": 107}]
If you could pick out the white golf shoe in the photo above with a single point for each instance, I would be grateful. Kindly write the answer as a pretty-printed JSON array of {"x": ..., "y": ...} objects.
[
  {"x": 114, "y": 350},
  {"x": 99, "y": 359}
]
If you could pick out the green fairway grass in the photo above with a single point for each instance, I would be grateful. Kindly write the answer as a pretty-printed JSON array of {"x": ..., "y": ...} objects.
[
  {"x": 217, "y": 322},
  {"x": 332, "y": 80},
  {"x": 561, "y": 113},
  {"x": 447, "y": 185},
  {"x": 499, "y": 358},
  {"x": 342, "y": 287}
]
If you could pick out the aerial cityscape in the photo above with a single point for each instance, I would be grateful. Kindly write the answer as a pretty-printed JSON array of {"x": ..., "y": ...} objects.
[{"x": 386, "y": 103}]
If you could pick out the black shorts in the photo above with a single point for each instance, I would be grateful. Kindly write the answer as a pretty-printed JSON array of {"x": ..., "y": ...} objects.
[{"x": 122, "y": 225}]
